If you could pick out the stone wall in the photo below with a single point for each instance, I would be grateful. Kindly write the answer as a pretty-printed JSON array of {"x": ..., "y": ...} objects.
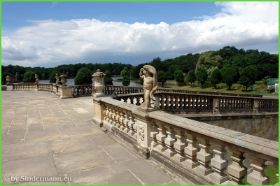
[
  {"x": 206, "y": 153},
  {"x": 266, "y": 127}
]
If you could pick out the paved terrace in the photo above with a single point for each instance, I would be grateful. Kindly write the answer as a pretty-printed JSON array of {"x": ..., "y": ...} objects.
[{"x": 47, "y": 136}]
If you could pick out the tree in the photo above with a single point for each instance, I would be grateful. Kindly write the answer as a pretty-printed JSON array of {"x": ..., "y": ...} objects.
[
  {"x": 248, "y": 76},
  {"x": 83, "y": 77},
  {"x": 125, "y": 73},
  {"x": 179, "y": 77},
  {"x": 215, "y": 77},
  {"x": 191, "y": 77},
  {"x": 52, "y": 76},
  {"x": 162, "y": 77},
  {"x": 29, "y": 76},
  {"x": 201, "y": 76},
  {"x": 229, "y": 75},
  {"x": 108, "y": 78}
]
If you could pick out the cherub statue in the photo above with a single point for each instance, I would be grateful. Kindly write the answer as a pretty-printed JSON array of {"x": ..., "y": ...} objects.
[{"x": 149, "y": 74}]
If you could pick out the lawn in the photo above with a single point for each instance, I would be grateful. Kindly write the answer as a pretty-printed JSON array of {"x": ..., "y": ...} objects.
[{"x": 259, "y": 88}]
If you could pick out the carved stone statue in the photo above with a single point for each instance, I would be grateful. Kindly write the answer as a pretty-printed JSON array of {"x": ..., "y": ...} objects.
[
  {"x": 8, "y": 79},
  {"x": 36, "y": 78},
  {"x": 149, "y": 75},
  {"x": 56, "y": 79},
  {"x": 63, "y": 80}
]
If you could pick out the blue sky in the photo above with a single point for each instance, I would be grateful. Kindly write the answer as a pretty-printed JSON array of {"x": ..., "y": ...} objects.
[
  {"x": 20, "y": 14},
  {"x": 49, "y": 34}
]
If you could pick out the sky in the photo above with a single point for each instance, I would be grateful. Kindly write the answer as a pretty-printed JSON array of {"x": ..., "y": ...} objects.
[{"x": 51, "y": 34}]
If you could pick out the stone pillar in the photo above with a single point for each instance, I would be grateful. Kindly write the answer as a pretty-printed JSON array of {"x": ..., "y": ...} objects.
[
  {"x": 66, "y": 92},
  {"x": 215, "y": 105},
  {"x": 98, "y": 84},
  {"x": 97, "y": 92},
  {"x": 97, "y": 112},
  {"x": 256, "y": 106},
  {"x": 144, "y": 127}
]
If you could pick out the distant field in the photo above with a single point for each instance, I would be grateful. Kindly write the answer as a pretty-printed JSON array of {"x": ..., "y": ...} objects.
[{"x": 258, "y": 88}]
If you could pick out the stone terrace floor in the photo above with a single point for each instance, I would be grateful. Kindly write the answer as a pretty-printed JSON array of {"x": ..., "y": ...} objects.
[{"x": 43, "y": 135}]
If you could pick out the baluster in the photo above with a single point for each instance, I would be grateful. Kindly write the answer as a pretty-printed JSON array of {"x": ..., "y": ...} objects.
[
  {"x": 153, "y": 135},
  {"x": 235, "y": 170},
  {"x": 121, "y": 121},
  {"x": 218, "y": 163},
  {"x": 190, "y": 151},
  {"x": 160, "y": 139},
  {"x": 125, "y": 122},
  {"x": 203, "y": 156},
  {"x": 169, "y": 142},
  {"x": 117, "y": 118},
  {"x": 134, "y": 128},
  {"x": 131, "y": 124},
  {"x": 179, "y": 145},
  {"x": 257, "y": 175},
  {"x": 114, "y": 117}
]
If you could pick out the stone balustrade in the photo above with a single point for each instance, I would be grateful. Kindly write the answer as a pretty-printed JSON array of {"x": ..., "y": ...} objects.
[
  {"x": 134, "y": 98},
  {"x": 45, "y": 87},
  {"x": 24, "y": 86},
  {"x": 81, "y": 90},
  {"x": 110, "y": 90},
  {"x": 181, "y": 103},
  {"x": 206, "y": 153}
]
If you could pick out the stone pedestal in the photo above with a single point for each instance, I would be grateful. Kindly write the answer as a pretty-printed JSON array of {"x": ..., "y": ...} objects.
[
  {"x": 97, "y": 112},
  {"x": 66, "y": 92},
  {"x": 143, "y": 130}
]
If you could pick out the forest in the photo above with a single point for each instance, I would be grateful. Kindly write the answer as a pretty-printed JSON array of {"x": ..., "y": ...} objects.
[{"x": 228, "y": 65}]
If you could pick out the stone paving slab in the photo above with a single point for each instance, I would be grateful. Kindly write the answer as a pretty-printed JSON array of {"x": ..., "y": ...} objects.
[{"x": 47, "y": 136}]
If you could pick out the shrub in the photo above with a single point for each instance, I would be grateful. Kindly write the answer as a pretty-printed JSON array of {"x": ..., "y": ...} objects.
[
  {"x": 83, "y": 77},
  {"x": 29, "y": 76}
]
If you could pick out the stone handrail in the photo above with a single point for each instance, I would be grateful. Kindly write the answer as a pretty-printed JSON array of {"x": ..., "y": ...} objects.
[
  {"x": 207, "y": 153},
  {"x": 197, "y": 103}
]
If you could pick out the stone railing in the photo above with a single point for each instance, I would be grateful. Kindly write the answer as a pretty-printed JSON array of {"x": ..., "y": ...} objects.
[
  {"x": 199, "y": 151},
  {"x": 81, "y": 90},
  {"x": 197, "y": 103},
  {"x": 45, "y": 87},
  {"x": 110, "y": 90},
  {"x": 59, "y": 90},
  {"x": 24, "y": 86}
]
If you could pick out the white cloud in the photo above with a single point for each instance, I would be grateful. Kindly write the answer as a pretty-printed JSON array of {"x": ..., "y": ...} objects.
[{"x": 52, "y": 42}]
